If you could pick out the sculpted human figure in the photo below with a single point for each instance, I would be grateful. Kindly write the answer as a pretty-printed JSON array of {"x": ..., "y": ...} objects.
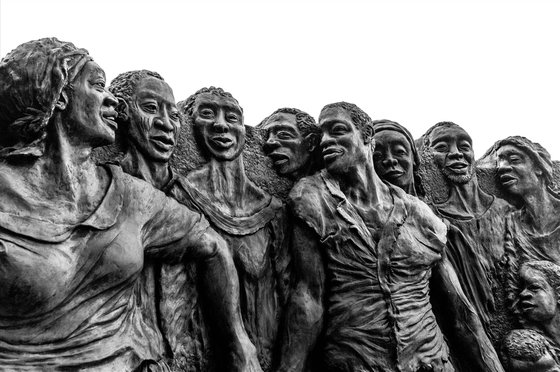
[
  {"x": 477, "y": 219},
  {"x": 363, "y": 255},
  {"x": 249, "y": 219},
  {"x": 149, "y": 122},
  {"x": 291, "y": 141},
  {"x": 73, "y": 234},
  {"x": 525, "y": 350},
  {"x": 395, "y": 157}
]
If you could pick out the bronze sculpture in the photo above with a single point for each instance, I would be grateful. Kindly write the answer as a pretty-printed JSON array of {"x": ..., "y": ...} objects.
[
  {"x": 249, "y": 219},
  {"x": 477, "y": 219},
  {"x": 74, "y": 234},
  {"x": 395, "y": 157},
  {"x": 292, "y": 142},
  {"x": 525, "y": 350},
  {"x": 363, "y": 254}
]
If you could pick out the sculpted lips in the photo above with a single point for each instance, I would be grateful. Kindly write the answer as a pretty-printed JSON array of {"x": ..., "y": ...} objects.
[
  {"x": 459, "y": 167},
  {"x": 527, "y": 305},
  {"x": 162, "y": 141},
  {"x": 330, "y": 154},
  {"x": 222, "y": 142},
  {"x": 393, "y": 173},
  {"x": 279, "y": 158},
  {"x": 109, "y": 118},
  {"x": 507, "y": 179}
]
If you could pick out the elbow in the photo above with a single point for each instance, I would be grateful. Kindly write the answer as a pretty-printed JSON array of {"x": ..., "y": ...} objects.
[{"x": 213, "y": 245}]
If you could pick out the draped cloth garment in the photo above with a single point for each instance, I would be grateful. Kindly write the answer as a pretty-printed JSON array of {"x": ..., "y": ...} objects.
[
  {"x": 378, "y": 315},
  {"x": 67, "y": 293}
]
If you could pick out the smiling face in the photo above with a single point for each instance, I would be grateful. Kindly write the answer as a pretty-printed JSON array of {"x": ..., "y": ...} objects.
[
  {"x": 219, "y": 122},
  {"x": 341, "y": 142},
  {"x": 285, "y": 144},
  {"x": 538, "y": 300},
  {"x": 453, "y": 153},
  {"x": 153, "y": 119},
  {"x": 517, "y": 172},
  {"x": 90, "y": 113},
  {"x": 393, "y": 158}
]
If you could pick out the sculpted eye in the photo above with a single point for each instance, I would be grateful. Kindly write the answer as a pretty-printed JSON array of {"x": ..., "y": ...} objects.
[
  {"x": 338, "y": 129},
  {"x": 174, "y": 116},
  {"x": 377, "y": 156},
  {"x": 465, "y": 146},
  {"x": 150, "y": 108},
  {"x": 207, "y": 113},
  {"x": 441, "y": 147},
  {"x": 232, "y": 118},
  {"x": 284, "y": 135}
]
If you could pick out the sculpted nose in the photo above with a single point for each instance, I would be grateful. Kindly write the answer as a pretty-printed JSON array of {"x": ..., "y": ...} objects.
[
  {"x": 503, "y": 166},
  {"x": 163, "y": 122},
  {"x": 326, "y": 140},
  {"x": 389, "y": 161},
  {"x": 525, "y": 295},
  {"x": 110, "y": 100},
  {"x": 454, "y": 152},
  {"x": 271, "y": 144},
  {"x": 220, "y": 124}
]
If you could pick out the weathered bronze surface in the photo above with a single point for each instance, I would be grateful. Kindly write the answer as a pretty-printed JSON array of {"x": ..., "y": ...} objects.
[{"x": 137, "y": 234}]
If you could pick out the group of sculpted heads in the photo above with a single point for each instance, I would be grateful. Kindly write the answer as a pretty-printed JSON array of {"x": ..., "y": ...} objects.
[{"x": 73, "y": 106}]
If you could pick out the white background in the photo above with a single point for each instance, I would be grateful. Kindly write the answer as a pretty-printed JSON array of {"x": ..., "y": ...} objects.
[{"x": 491, "y": 66}]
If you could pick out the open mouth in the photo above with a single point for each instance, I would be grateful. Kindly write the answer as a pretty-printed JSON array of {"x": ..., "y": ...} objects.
[
  {"x": 222, "y": 142},
  {"x": 507, "y": 180},
  {"x": 527, "y": 306},
  {"x": 458, "y": 167},
  {"x": 109, "y": 118},
  {"x": 163, "y": 142},
  {"x": 330, "y": 154},
  {"x": 278, "y": 158}
]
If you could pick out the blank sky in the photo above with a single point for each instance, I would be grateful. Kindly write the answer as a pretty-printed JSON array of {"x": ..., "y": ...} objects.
[{"x": 491, "y": 66}]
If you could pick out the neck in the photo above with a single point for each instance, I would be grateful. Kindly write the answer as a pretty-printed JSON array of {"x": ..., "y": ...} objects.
[
  {"x": 541, "y": 208},
  {"x": 467, "y": 199},
  {"x": 136, "y": 164},
  {"x": 227, "y": 178},
  {"x": 362, "y": 186}
]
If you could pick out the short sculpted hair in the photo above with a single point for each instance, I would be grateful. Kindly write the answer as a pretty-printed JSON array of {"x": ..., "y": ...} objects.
[
  {"x": 186, "y": 107},
  {"x": 304, "y": 122},
  {"x": 525, "y": 345}
]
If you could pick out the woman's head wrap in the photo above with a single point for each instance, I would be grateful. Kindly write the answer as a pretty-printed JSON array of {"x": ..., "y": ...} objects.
[
  {"x": 384, "y": 124},
  {"x": 535, "y": 151},
  {"x": 32, "y": 77}
]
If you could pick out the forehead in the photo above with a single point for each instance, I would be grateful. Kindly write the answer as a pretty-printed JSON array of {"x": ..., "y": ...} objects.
[
  {"x": 507, "y": 150},
  {"x": 209, "y": 99},
  {"x": 531, "y": 275},
  {"x": 451, "y": 133},
  {"x": 334, "y": 115},
  {"x": 90, "y": 69},
  {"x": 281, "y": 119},
  {"x": 391, "y": 137},
  {"x": 150, "y": 86}
]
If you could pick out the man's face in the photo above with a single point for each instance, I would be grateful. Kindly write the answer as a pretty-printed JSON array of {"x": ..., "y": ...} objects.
[
  {"x": 393, "y": 158},
  {"x": 285, "y": 144},
  {"x": 341, "y": 142},
  {"x": 154, "y": 119},
  {"x": 538, "y": 299},
  {"x": 453, "y": 153},
  {"x": 516, "y": 170},
  {"x": 219, "y": 121}
]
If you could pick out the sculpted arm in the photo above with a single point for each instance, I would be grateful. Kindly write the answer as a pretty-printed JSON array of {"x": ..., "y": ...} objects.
[
  {"x": 304, "y": 313},
  {"x": 465, "y": 321}
]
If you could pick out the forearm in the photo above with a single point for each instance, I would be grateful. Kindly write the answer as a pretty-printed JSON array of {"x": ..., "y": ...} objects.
[
  {"x": 302, "y": 324},
  {"x": 220, "y": 289}
]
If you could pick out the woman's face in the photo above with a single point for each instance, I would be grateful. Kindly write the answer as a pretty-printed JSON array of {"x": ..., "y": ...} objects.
[
  {"x": 517, "y": 172},
  {"x": 538, "y": 299},
  {"x": 90, "y": 113},
  {"x": 393, "y": 158}
]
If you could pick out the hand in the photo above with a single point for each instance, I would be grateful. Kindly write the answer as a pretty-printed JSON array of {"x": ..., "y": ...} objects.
[{"x": 245, "y": 359}]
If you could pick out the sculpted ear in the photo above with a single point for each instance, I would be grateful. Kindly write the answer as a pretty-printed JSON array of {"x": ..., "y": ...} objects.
[
  {"x": 62, "y": 101},
  {"x": 311, "y": 141},
  {"x": 368, "y": 133},
  {"x": 122, "y": 110}
]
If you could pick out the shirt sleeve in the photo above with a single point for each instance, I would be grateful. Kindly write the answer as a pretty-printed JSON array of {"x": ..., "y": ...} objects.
[{"x": 170, "y": 229}]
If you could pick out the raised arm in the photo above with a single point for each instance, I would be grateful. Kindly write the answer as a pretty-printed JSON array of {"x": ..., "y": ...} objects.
[
  {"x": 304, "y": 313},
  {"x": 465, "y": 321}
]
